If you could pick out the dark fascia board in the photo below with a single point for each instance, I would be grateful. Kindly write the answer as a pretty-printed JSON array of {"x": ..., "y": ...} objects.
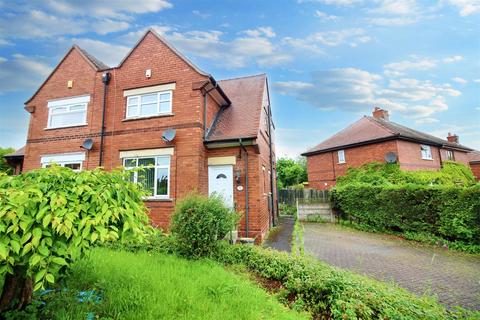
[
  {"x": 395, "y": 137},
  {"x": 16, "y": 157},
  {"x": 474, "y": 162},
  {"x": 247, "y": 141},
  {"x": 220, "y": 90}
]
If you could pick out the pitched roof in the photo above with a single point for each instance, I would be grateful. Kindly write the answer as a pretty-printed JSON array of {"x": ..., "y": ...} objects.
[
  {"x": 170, "y": 46},
  {"x": 16, "y": 154},
  {"x": 99, "y": 65},
  {"x": 474, "y": 156},
  {"x": 242, "y": 118},
  {"x": 96, "y": 64},
  {"x": 370, "y": 130}
]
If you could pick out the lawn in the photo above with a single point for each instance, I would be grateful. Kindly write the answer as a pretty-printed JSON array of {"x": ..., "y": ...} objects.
[{"x": 158, "y": 286}]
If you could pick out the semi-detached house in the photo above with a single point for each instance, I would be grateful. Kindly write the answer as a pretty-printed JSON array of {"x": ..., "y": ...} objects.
[{"x": 157, "y": 109}]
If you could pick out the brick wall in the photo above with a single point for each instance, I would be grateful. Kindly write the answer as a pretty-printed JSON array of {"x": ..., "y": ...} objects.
[
  {"x": 475, "y": 166},
  {"x": 323, "y": 169},
  {"x": 189, "y": 169}
]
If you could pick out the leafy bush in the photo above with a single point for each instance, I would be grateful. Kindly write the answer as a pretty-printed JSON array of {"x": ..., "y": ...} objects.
[
  {"x": 286, "y": 209},
  {"x": 198, "y": 222},
  {"x": 375, "y": 173},
  {"x": 452, "y": 213},
  {"x": 50, "y": 217},
  {"x": 328, "y": 292}
]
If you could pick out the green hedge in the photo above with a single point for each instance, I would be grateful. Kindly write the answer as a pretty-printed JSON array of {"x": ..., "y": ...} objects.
[
  {"x": 452, "y": 213},
  {"x": 330, "y": 293}
]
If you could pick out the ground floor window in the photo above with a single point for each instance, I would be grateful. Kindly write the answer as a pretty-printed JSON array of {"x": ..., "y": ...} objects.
[
  {"x": 154, "y": 175},
  {"x": 73, "y": 161}
]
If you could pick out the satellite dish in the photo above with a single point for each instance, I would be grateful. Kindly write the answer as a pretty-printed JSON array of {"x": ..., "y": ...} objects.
[
  {"x": 87, "y": 144},
  {"x": 391, "y": 157},
  {"x": 168, "y": 135}
]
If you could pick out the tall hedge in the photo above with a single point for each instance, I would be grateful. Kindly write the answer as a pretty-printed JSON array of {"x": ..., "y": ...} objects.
[{"x": 450, "y": 212}]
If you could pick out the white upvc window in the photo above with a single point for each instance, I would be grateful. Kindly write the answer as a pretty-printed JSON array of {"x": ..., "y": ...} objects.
[
  {"x": 68, "y": 112},
  {"x": 426, "y": 152},
  {"x": 149, "y": 104},
  {"x": 154, "y": 175},
  {"x": 450, "y": 155},
  {"x": 341, "y": 156},
  {"x": 73, "y": 160}
]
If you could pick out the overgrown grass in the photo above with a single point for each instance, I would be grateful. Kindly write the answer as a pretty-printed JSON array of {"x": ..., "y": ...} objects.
[
  {"x": 298, "y": 248},
  {"x": 158, "y": 286}
]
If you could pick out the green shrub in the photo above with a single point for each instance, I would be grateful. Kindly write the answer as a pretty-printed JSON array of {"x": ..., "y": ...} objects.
[
  {"x": 331, "y": 293},
  {"x": 286, "y": 209},
  {"x": 375, "y": 173},
  {"x": 198, "y": 222},
  {"x": 448, "y": 212},
  {"x": 50, "y": 217}
]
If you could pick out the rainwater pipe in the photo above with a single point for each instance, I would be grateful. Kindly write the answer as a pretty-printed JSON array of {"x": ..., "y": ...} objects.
[{"x": 246, "y": 187}]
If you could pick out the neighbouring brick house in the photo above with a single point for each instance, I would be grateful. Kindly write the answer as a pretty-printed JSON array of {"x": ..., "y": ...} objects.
[
  {"x": 371, "y": 139},
  {"x": 474, "y": 161},
  {"x": 159, "y": 109}
]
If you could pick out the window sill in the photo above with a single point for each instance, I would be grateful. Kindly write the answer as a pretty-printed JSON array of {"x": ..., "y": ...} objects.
[
  {"x": 341, "y": 163},
  {"x": 66, "y": 127},
  {"x": 427, "y": 159},
  {"x": 149, "y": 117},
  {"x": 157, "y": 199}
]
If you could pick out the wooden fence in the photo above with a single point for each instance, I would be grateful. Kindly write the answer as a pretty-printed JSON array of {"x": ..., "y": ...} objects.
[{"x": 290, "y": 196}]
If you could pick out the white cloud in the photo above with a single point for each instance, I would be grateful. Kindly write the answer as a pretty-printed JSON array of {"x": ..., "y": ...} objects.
[
  {"x": 476, "y": 80},
  {"x": 106, "y": 26},
  {"x": 459, "y": 80},
  {"x": 200, "y": 14},
  {"x": 110, "y": 9},
  {"x": 260, "y": 32},
  {"x": 466, "y": 7},
  {"x": 396, "y": 7},
  {"x": 325, "y": 16},
  {"x": 426, "y": 121},
  {"x": 392, "y": 21},
  {"x": 317, "y": 41},
  {"x": 416, "y": 63},
  {"x": 339, "y": 3},
  {"x": 4, "y": 42},
  {"x": 109, "y": 53},
  {"x": 355, "y": 90},
  {"x": 452, "y": 59},
  {"x": 22, "y": 73}
]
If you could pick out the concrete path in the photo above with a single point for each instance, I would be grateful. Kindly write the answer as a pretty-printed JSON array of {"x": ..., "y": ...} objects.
[
  {"x": 280, "y": 238},
  {"x": 453, "y": 277}
]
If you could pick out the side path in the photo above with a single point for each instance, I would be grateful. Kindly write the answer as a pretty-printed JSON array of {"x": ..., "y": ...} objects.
[{"x": 280, "y": 238}]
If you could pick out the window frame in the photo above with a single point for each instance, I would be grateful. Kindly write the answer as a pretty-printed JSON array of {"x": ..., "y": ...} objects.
[
  {"x": 158, "y": 102},
  {"x": 156, "y": 166},
  {"x": 68, "y": 103},
  {"x": 423, "y": 148},
  {"x": 341, "y": 159},
  {"x": 450, "y": 155},
  {"x": 64, "y": 163}
]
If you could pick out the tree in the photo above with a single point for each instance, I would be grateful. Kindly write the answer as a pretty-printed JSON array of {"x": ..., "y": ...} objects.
[
  {"x": 4, "y": 166},
  {"x": 291, "y": 172},
  {"x": 50, "y": 218}
]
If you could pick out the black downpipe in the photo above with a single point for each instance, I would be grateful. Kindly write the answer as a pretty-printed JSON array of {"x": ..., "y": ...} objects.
[
  {"x": 274, "y": 222},
  {"x": 246, "y": 187},
  {"x": 106, "y": 80}
]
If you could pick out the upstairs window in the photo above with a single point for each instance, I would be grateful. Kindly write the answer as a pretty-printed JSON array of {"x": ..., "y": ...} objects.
[
  {"x": 67, "y": 112},
  {"x": 73, "y": 160},
  {"x": 149, "y": 104},
  {"x": 450, "y": 155},
  {"x": 154, "y": 176},
  {"x": 341, "y": 156},
  {"x": 426, "y": 152}
]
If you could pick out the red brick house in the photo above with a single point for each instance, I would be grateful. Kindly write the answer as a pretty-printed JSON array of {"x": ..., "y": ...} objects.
[
  {"x": 157, "y": 108},
  {"x": 371, "y": 139},
  {"x": 474, "y": 161}
]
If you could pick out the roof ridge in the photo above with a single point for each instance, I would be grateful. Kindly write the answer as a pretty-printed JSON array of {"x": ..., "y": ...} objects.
[
  {"x": 378, "y": 123},
  {"x": 243, "y": 77},
  {"x": 99, "y": 64}
]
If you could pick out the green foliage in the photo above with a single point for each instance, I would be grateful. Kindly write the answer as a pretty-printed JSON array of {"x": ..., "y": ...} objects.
[
  {"x": 375, "y": 173},
  {"x": 50, "y": 217},
  {"x": 157, "y": 286},
  {"x": 448, "y": 212},
  {"x": 297, "y": 238},
  {"x": 286, "y": 209},
  {"x": 330, "y": 293},
  {"x": 4, "y": 166},
  {"x": 291, "y": 172},
  {"x": 199, "y": 222}
]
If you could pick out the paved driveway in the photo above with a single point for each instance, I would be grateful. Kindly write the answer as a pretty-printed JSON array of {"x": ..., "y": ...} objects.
[{"x": 452, "y": 276}]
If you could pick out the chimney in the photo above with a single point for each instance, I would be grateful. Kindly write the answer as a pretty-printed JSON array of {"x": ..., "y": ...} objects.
[
  {"x": 379, "y": 113},
  {"x": 452, "y": 138}
]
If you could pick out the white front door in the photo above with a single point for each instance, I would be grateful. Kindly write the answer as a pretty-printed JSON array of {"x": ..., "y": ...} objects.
[{"x": 220, "y": 181}]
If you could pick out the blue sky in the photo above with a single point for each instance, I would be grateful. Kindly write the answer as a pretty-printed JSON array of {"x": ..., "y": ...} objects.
[{"x": 328, "y": 61}]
